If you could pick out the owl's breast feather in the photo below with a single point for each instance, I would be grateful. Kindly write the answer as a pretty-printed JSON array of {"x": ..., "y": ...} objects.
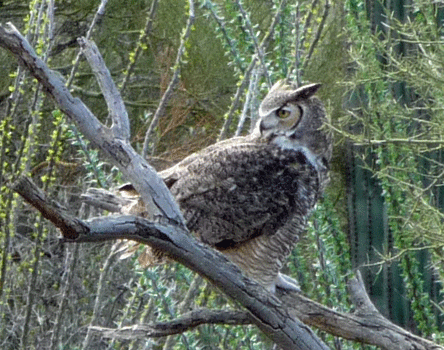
[{"x": 255, "y": 191}]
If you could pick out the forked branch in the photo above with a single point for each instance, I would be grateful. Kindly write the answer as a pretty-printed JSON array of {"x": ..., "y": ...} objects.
[
  {"x": 365, "y": 325},
  {"x": 170, "y": 233},
  {"x": 276, "y": 317},
  {"x": 268, "y": 314}
]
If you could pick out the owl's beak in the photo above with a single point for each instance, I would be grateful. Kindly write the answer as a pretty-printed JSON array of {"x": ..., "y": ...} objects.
[
  {"x": 265, "y": 129},
  {"x": 262, "y": 127}
]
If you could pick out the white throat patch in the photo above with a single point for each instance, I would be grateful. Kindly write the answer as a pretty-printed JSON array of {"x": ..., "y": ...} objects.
[{"x": 286, "y": 143}]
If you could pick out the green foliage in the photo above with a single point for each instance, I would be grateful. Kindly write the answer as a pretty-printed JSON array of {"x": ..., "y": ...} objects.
[
  {"x": 398, "y": 114},
  {"x": 43, "y": 143},
  {"x": 392, "y": 79}
]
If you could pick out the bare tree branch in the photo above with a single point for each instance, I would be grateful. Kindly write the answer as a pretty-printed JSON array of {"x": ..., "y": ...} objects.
[
  {"x": 144, "y": 178},
  {"x": 186, "y": 322},
  {"x": 169, "y": 234},
  {"x": 174, "y": 81},
  {"x": 119, "y": 116},
  {"x": 269, "y": 315},
  {"x": 276, "y": 317},
  {"x": 365, "y": 325},
  {"x": 52, "y": 211}
]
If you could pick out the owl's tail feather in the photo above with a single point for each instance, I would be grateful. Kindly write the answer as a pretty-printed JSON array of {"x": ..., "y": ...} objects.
[{"x": 148, "y": 256}]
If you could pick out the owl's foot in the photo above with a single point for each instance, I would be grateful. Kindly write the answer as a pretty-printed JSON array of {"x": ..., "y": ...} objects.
[{"x": 287, "y": 283}]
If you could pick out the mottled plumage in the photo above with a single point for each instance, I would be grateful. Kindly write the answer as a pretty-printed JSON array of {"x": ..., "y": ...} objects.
[{"x": 250, "y": 197}]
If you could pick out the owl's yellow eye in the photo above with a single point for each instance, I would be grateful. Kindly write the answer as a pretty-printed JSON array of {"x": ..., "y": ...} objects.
[{"x": 283, "y": 113}]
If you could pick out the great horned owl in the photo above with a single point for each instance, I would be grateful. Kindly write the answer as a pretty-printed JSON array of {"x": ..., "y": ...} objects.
[{"x": 250, "y": 197}]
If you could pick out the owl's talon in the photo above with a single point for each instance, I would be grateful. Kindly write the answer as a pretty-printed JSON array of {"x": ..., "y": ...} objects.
[{"x": 287, "y": 283}]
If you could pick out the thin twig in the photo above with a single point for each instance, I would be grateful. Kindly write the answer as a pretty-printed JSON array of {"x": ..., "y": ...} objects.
[
  {"x": 258, "y": 48},
  {"x": 97, "y": 17},
  {"x": 318, "y": 33},
  {"x": 147, "y": 148},
  {"x": 99, "y": 294},
  {"x": 236, "y": 98},
  {"x": 254, "y": 104},
  {"x": 223, "y": 28},
  {"x": 193, "y": 290},
  {"x": 297, "y": 47},
  {"x": 180, "y": 325},
  {"x": 264, "y": 44},
  {"x": 139, "y": 47},
  {"x": 247, "y": 105},
  {"x": 308, "y": 22},
  {"x": 359, "y": 141},
  {"x": 72, "y": 255}
]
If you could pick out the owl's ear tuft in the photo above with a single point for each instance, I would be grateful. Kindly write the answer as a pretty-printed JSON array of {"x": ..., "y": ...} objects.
[
  {"x": 280, "y": 85},
  {"x": 306, "y": 91}
]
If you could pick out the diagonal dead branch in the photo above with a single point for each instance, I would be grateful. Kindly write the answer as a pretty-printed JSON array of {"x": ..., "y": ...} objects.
[
  {"x": 174, "y": 240},
  {"x": 111, "y": 94},
  {"x": 276, "y": 317},
  {"x": 366, "y": 325},
  {"x": 144, "y": 178},
  {"x": 51, "y": 210}
]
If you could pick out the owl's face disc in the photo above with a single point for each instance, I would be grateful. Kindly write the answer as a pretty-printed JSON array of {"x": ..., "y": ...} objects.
[{"x": 292, "y": 119}]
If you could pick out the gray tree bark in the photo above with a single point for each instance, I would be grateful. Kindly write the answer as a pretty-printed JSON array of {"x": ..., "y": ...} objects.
[{"x": 277, "y": 316}]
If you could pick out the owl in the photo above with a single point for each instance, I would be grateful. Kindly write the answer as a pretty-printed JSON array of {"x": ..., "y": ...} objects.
[{"x": 250, "y": 197}]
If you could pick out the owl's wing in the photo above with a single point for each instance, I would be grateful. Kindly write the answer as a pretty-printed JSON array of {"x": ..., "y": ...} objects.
[
  {"x": 240, "y": 190},
  {"x": 172, "y": 174},
  {"x": 181, "y": 169}
]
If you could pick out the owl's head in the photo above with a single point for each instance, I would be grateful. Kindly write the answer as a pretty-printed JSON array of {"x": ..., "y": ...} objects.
[{"x": 293, "y": 118}]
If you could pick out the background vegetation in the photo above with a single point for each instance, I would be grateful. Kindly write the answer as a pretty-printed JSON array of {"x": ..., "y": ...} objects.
[{"x": 381, "y": 66}]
